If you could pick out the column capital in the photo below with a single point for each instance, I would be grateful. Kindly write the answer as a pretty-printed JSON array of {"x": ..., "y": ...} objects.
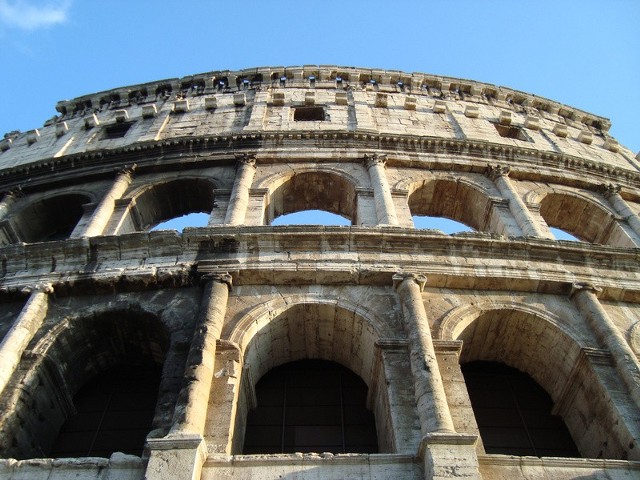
[
  {"x": 496, "y": 171},
  {"x": 176, "y": 440},
  {"x": 13, "y": 193},
  {"x": 225, "y": 278},
  {"x": 578, "y": 287},
  {"x": 38, "y": 287},
  {"x": 371, "y": 159},
  {"x": 127, "y": 170},
  {"x": 246, "y": 159},
  {"x": 609, "y": 189},
  {"x": 418, "y": 278}
]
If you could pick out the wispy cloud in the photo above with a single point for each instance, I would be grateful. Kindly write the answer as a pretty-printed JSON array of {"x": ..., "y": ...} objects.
[{"x": 31, "y": 15}]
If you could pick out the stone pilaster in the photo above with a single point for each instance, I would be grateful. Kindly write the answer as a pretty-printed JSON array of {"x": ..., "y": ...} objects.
[
  {"x": 220, "y": 207},
  {"x": 500, "y": 176},
  {"x": 612, "y": 193},
  {"x": 385, "y": 208},
  {"x": 431, "y": 400},
  {"x": 24, "y": 328},
  {"x": 5, "y": 204},
  {"x": 181, "y": 454},
  {"x": 585, "y": 297},
  {"x": 237, "y": 209},
  {"x": 105, "y": 208},
  {"x": 441, "y": 447},
  {"x": 223, "y": 401}
]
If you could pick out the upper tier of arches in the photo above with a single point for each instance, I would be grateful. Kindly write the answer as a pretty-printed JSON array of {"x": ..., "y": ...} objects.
[{"x": 363, "y": 193}]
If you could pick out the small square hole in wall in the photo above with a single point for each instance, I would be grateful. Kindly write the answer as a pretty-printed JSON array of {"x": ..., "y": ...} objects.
[
  {"x": 508, "y": 131},
  {"x": 308, "y": 114},
  {"x": 117, "y": 130}
]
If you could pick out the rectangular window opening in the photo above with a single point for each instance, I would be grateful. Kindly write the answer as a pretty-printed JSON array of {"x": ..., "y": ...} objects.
[
  {"x": 117, "y": 130},
  {"x": 508, "y": 131},
  {"x": 308, "y": 114}
]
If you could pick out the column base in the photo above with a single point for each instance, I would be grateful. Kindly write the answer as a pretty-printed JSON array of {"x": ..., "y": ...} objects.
[
  {"x": 449, "y": 455},
  {"x": 178, "y": 456}
]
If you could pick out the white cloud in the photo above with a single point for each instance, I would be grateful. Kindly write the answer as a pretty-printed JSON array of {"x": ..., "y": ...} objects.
[{"x": 31, "y": 15}]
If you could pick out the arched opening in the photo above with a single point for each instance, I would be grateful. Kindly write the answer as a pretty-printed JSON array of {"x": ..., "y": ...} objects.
[
  {"x": 453, "y": 200},
  {"x": 52, "y": 218},
  {"x": 54, "y": 382},
  {"x": 314, "y": 331},
  {"x": 445, "y": 225},
  {"x": 171, "y": 200},
  {"x": 534, "y": 345},
  {"x": 584, "y": 219},
  {"x": 311, "y": 217},
  {"x": 310, "y": 406},
  {"x": 313, "y": 191},
  {"x": 514, "y": 414}
]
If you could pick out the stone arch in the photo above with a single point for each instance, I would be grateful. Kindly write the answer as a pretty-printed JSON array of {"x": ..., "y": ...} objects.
[
  {"x": 462, "y": 322},
  {"x": 456, "y": 198},
  {"x": 311, "y": 189},
  {"x": 583, "y": 216},
  {"x": 161, "y": 201},
  {"x": 535, "y": 342},
  {"x": 358, "y": 318},
  {"x": 77, "y": 350},
  {"x": 303, "y": 327},
  {"x": 51, "y": 217}
]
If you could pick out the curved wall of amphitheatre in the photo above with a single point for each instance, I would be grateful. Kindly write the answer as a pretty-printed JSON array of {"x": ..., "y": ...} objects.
[{"x": 86, "y": 286}]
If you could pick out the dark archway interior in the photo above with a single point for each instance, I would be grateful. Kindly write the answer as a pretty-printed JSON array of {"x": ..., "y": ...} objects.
[
  {"x": 514, "y": 413},
  {"x": 311, "y": 406},
  {"x": 50, "y": 219},
  {"x": 114, "y": 412}
]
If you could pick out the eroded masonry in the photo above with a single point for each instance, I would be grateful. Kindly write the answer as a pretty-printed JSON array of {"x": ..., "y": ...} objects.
[{"x": 377, "y": 350}]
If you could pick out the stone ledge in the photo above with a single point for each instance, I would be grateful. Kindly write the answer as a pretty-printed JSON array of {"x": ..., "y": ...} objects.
[
  {"x": 341, "y": 255},
  {"x": 308, "y": 458},
  {"x": 566, "y": 462},
  {"x": 208, "y": 151}
]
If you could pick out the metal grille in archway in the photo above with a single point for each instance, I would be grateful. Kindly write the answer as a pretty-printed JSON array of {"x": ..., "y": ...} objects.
[
  {"x": 311, "y": 406},
  {"x": 514, "y": 413}
]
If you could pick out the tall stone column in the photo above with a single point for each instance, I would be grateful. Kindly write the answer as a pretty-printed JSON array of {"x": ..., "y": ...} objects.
[
  {"x": 105, "y": 208},
  {"x": 441, "y": 446},
  {"x": 182, "y": 453},
  {"x": 612, "y": 193},
  {"x": 585, "y": 297},
  {"x": 429, "y": 390},
  {"x": 237, "y": 209},
  {"x": 24, "y": 328},
  {"x": 6, "y": 203},
  {"x": 385, "y": 209},
  {"x": 500, "y": 176}
]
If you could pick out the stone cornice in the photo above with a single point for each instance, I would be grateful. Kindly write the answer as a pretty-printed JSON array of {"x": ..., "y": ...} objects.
[
  {"x": 440, "y": 154},
  {"x": 349, "y": 255}
]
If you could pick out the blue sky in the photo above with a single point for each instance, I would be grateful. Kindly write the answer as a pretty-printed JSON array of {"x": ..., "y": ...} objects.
[{"x": 583, "y": 53}]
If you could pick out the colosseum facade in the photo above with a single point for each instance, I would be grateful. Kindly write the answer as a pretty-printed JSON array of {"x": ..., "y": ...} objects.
[{"x": 374, "y": 350}]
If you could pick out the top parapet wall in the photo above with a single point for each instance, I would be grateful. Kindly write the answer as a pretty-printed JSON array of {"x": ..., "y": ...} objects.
[
  {"x": 330, "y": 107},
  {"x": 325, "y": 76}
]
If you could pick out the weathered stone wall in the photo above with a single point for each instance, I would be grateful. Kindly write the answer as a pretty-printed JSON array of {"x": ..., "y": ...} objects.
[{"x": 85, "y": 285}]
